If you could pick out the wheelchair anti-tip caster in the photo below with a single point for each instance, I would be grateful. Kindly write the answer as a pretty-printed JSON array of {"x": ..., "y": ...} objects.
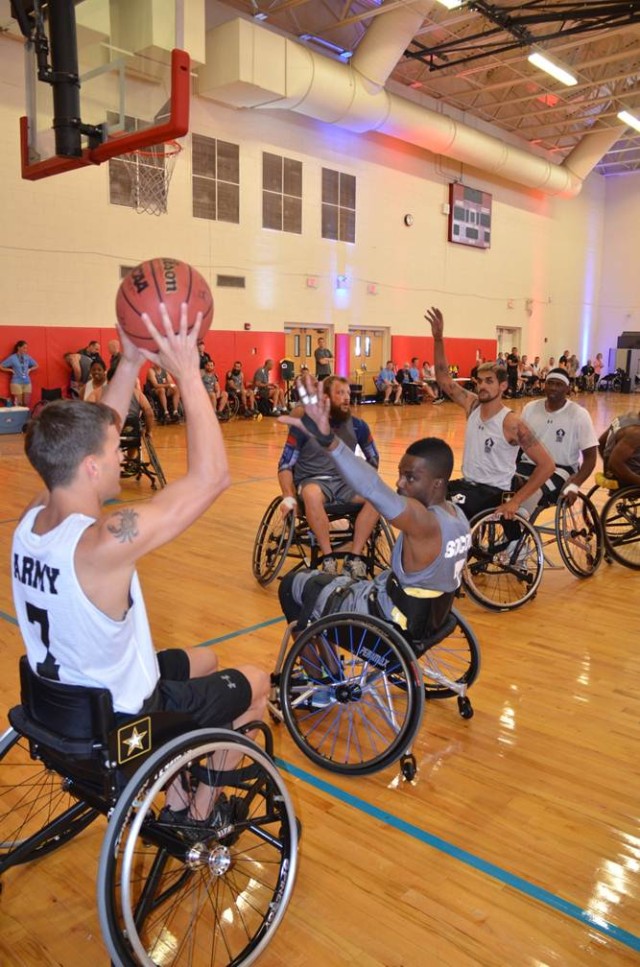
[
  {"x": 408, "y": 767},
  {"x": 465, "y": 707}
]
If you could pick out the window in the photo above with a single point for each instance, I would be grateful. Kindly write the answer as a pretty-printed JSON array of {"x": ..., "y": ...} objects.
[
  {"x": 338, "y": 206},
  {"x": 281, "y": 193},
  {"x": 215, "y": 179}
]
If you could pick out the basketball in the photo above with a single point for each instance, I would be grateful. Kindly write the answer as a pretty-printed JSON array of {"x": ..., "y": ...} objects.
[{"x": 161, "y": 280}]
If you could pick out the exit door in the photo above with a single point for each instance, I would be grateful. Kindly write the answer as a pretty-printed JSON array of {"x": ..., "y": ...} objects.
[
  {"x": 366, "y": 353},
  {"x": 300, "y": 344}
]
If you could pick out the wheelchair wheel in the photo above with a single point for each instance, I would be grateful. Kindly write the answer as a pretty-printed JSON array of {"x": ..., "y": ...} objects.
[
  {"x": 34, "y": 800},
  {"x": 579, "y": 535},
  {"x": 454, "y": 659},
  {"x": 621, "y": 526},
  {"x": 233, "y": 405},
  {"x": 379, "y": 548},
  {"x": 505, "y": 562},
  {"x": 185, "y": 894},
  {"x": 155, "y": 463},
  {"x": 272, "y": 543},
  {"x": 351, "y": 694}
]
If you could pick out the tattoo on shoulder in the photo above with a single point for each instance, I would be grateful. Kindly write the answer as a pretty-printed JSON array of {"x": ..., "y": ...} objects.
[
  {"x": 525, "y": 435},
  {"x": 124, "y": 525}
]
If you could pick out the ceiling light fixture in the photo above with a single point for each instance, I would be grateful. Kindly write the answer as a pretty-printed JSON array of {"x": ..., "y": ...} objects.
[
  {"x": 629, "y": 119},
  {"x": 549, "y": 67},
  {"x": 451, "y": 4}
]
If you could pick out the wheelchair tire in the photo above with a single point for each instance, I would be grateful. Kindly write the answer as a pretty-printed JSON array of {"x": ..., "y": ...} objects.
[
  {"x": 379, "y": 548},
  {"x": 502, "y": 573},
  {"x": 621, "y": 526},
  {"x": 184, "y": 894},
  {"x": 579, "y": 535},
  {"x": 34, "y": 799},
  {"x": 351, "y": 694},
  {"x": 152, "y": 457},
  {"x": 456, "y": 658},
  {"x": 272, "y": 543}
]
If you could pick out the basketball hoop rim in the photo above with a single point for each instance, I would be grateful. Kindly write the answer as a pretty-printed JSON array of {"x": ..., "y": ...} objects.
[{"x": 171, "y": 148}]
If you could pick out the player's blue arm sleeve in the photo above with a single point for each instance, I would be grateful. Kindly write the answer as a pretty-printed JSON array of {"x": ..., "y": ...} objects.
[
  {"x": 291, "y": 452},
  {"x": 365, "y": 481},
  {"x": 366, "y": 443}
]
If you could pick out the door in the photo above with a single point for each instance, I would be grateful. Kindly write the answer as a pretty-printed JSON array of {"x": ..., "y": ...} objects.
[
  {"x": 366, "y": 357},
  {"x": 507, "y": 339},
  {"x": 301, "y": 343}
]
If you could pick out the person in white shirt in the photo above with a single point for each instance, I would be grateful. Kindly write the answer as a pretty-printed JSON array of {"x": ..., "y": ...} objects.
[{"x": 567, "y": 431}]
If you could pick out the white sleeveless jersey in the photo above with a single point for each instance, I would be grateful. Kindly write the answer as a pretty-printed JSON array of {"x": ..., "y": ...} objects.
[
  {"x": 66, "y": 636},
  {"x": 487, "y": 457},
  {"x": 565, "y": 432}
]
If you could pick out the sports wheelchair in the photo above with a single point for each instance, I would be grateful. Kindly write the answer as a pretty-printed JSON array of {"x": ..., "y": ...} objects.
[
  {"x": 167, "y": 892},
  {"x": 280, "y": 538},
  {"x": 351, "y": 688},
  {"x": 506, "y": 559},
  {"x": 139, "y": 455},
  {"x": 620, "y": 520}
]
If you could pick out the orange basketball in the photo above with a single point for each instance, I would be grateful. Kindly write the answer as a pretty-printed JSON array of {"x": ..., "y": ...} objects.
[{"x": 161, "y": 280}]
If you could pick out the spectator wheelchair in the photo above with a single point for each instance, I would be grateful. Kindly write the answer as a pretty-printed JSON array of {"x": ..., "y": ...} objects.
[
  {"x": 139, "y": 457},
  {"x": 351, "y": 688},
  {"x": 620, "y": 520},
  {"x": 278, "y": 539},
  {"x": 507, "y": 557},
  {"x": 168, "y": 891}
]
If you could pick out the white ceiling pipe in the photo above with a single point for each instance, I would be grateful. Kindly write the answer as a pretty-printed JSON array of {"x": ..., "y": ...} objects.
[
  {"x": 386, "y": 39},
  {"x": 248, "y": 66}
]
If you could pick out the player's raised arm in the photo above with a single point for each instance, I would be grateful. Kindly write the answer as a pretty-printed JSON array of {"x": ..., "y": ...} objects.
[{"x": 447, "y": 384}]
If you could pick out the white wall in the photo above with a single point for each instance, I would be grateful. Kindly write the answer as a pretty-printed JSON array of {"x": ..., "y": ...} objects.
[
  {"x": 62, "y": 243},
  {"x": 620, "y": 289}
]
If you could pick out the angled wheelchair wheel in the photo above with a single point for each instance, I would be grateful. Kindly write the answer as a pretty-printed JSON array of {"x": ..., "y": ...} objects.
[
  {"x": 179, "y": 893},
  {"x": 379, "y": 548},
  {"x": 38, "y": 812},
  {"x": 505, "y": 562},
  {"x": 579, "y": 535},
  {"x": 152, "y": 457},
  {"x": 351, "y": 694},
  {"x": 621, "y": 526},
  {"x": 272, "y": 543},
  {"x": 455, "y": 660},
  {"x": 233, "y": 405}
]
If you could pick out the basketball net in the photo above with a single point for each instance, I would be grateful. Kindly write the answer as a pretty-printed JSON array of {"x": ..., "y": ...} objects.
[{"x": 150, "y": 170}]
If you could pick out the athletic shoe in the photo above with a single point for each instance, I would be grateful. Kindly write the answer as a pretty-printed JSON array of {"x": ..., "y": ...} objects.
[
  {"x": 329, "y": 565},
  {"x": 439, "y": 400},
  {"x": 355, "y": 567},
  {"x": 321, "y": 698},
  {"x": 227, "y": 811}
]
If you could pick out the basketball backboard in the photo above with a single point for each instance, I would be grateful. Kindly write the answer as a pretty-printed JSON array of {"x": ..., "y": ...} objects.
[{"x": 134, "y": 79}]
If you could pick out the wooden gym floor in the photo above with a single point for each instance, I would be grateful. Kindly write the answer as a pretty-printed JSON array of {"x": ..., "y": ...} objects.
[{"x": 518, "y": 843}]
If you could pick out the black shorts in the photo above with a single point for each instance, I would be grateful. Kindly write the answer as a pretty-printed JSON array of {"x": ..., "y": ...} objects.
[
  {"x": 472, "y": 498},
  {"x": 214, "y": 700}
]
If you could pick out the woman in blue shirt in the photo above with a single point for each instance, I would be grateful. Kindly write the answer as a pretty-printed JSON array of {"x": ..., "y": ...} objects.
[{"x": 19, "y": 365}]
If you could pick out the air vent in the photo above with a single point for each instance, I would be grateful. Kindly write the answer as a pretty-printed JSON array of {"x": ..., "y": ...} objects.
[{"x": 231, "y": 281}]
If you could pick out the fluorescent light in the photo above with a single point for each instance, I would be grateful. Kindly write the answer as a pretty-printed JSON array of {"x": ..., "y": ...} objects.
[
  {"x": 560, "y": 74},
  {"x": 629, "y": 119},
  {"x": 451, "y": 4}
]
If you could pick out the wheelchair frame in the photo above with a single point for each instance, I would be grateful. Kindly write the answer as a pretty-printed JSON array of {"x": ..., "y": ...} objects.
[
  {"x": 164, "y": 886},
  {"x": 278, "y": 538},
  {"x": 620, "y": 519},
  {"x": 503, "y": 573},
  {"x": 351, "y": 688},
  {"x": 137, "y": 467}
]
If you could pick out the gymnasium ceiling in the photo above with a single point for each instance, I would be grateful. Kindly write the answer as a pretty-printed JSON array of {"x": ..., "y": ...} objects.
[{"x": 474, "y": 59}]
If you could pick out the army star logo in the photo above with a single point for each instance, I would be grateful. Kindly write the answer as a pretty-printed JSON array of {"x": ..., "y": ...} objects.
[{"x": 134, "y": 740}]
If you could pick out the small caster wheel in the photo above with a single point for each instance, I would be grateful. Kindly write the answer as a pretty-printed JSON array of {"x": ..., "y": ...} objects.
[
  {"x": 408, "y": 767},
  {"x": 465, "y": 708}
]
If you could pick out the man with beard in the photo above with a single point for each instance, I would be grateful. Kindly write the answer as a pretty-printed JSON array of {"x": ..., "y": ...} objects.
[
  {"x": 306, "y": 469},
  {"x": 492, "y": 438},
  {"x": 566, "y": 430}
]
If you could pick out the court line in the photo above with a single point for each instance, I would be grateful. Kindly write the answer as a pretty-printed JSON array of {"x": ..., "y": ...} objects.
[
  {"x": 523, "y": 886},
  {"x": 538, "y": 893}
]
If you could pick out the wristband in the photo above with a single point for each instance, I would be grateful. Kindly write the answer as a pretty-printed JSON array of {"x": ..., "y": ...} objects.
[
  {"x": 571, "y": 488},
  {"x": 324, "y": 439},
  {"x": 289, "y": 502}
]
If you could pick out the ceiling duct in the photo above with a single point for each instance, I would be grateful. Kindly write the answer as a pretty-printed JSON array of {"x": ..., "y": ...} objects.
[{"x": 249, "y": 66}]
